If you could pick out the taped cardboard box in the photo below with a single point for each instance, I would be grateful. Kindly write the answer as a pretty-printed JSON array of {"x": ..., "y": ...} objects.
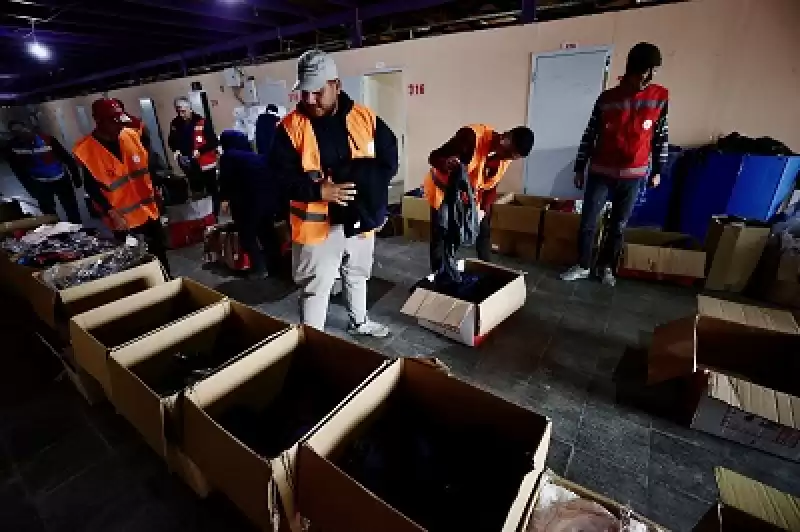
[
  {"x": 463, "y": 321},
  {"x": 661, "y": 256},
  {"x": 749, "y": 357},
  {"x": 262, "y": 382},
  {"x": 328, "y": 498},
  {"x": 746, "y": 505},
  {"x": 734, "y": 248},
  {"x": 101, "y": 331},
  {"x": 148, "y": 378},
  {"x": 416, "y": 218},
  {"x": 56, "y": 307},
  {"x": 516, "y": 224}
]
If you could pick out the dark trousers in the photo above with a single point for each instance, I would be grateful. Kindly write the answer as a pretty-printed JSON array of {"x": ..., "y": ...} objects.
[
  {"x": 599, "y": 189},
  {"x": 46, "y": 192},
  {"x": 483, "y": 243},
  {"x": 205, "y": 182},
  {"x": 153, "y": 234},
  {"x": 258, "y": 238}
]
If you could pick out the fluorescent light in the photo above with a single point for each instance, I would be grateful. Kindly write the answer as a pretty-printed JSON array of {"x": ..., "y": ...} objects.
[{"x": 38, "y": 50}]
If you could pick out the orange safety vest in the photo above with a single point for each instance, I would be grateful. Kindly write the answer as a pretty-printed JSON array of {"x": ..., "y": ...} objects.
[
  {"x": 435, "y": 181},
  {"x": 207, "y": 160},
  {"x": 309, "y": 221},
  {"x": 125, "y": 183}
]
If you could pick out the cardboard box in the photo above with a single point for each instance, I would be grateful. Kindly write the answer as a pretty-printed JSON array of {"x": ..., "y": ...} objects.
[
  {"x": 257, "y": 381},
  {"x": 332, "y": 500},
  {"x": 746, "y": 505},
  {"x": 26, "y": 224},
  {"x": 614, "y": 507},
  {"x": 749, "y": 357},
  {"x": 101, "y": 331},
  {"x": 466, "y": 322},
  {"x": 416, "y": 218},
  {"x": 785, "y": 287},
  {"x": 651, "y": 254},
  {"x": 55, "y": 308},
  {"x": 734, "y": 248},
  {"x": 516, "y": 225},
  {"x": 559, "y": 237},
  {"x": 16, "y": 278}
]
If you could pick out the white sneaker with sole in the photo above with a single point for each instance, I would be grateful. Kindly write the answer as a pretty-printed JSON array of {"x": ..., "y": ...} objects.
[
  {"x": 369, "y": 328},
  {"x": 576, "y": 273},
  {"x": 608, "y": 277}
]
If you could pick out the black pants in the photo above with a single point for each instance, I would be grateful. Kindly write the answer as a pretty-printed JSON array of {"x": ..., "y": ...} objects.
[
  {"x": 599, "y": 189},
  {"x": 153, "y": 234},
  {"x": 46, "y": 192},
  {"x": 258, "y": 238},
  {"x": 205, "y": 182},
  {"x": 483, "y": 243}
]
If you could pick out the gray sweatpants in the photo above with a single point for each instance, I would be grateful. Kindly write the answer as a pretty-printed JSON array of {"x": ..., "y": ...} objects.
[{"x": 317, "y": 266}]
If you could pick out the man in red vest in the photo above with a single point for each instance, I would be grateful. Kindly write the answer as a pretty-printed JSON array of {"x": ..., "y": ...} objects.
[{"x": 625, "y": 142}]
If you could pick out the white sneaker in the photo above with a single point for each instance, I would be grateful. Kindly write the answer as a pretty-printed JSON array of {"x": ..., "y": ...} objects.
[
  {"x": 576, "y": 273},
  {"x": 369, "y": 328},
  {"x": 608, "y": 277}
]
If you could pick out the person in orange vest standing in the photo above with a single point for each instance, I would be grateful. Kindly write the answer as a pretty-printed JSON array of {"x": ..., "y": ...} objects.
[
  {"x": 626, "y": 140},
  {"x": 485, "y": 155},
  {"x": 333, "y": 219},
  {"x": 194, "y": 143},
  {"x": 117, "y": 178}
]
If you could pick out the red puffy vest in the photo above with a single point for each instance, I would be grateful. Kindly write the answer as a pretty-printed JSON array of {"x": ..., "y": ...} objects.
[
  {"x": 627, "y": 124},
  {"x": 206, "y": 160}
]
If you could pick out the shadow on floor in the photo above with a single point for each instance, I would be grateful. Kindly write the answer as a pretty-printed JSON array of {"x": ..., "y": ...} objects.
[
  {"x": 257, "y": 291},
  {"x": 376, "y": 289}
]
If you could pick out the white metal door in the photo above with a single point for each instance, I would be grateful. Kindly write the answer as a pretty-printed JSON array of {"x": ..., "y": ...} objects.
[
  {"x": 564, "y": 88},
  {"x": 384, "y": 92},
  {"x": 354, "y": 87},
  {"x": 84, "y": 123},
  {"x": 151, "y": 122}
]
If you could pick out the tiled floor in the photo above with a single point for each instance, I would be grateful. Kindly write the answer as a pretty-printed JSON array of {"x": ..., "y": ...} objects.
[{"x": 66, "y": 466}]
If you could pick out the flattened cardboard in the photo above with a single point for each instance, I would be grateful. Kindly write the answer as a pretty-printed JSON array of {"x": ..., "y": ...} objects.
[
  {"x": 416, "y": 218},
  {"x": 648, "y": 251},
  {"x": 326, "y": 495},
  {"x": 256, "y": 380},
  {"x": 98, "y": 332},
  {"x": 746, "y": 505},
  {"x": 734, "y": 249},
  {"x": 461, "y": 320},
  {"x": 516, "y": 225},
  {"x": 55, "y": 308}
]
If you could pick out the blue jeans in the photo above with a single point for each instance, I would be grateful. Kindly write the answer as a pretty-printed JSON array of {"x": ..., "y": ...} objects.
[{"x": 599, "y": 189}]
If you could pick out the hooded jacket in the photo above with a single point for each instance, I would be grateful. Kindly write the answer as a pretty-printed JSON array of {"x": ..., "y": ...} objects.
[{"x": 244, "y": 177}]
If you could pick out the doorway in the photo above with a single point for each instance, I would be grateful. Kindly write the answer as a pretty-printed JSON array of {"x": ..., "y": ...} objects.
[
  {"x": 150, "y": 119},
  {"x": 84, "y": 124},
  {"x": 564, "y": 88}
]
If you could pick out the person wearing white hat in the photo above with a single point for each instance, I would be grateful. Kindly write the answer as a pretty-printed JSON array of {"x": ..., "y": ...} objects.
[{"x": 334, "y": 159}]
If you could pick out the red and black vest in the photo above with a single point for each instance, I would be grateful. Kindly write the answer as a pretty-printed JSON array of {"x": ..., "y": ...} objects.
[{"x": 627, "y": 124}]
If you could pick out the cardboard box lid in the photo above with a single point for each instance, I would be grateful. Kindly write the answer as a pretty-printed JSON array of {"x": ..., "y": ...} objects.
[
  {"x": 747, "y": 497},
  {"x": 775, "y": 406},
  {"x": 723, "y": 336},
  {"x": 437, "y": 308},
  {"x": 414, "y": 208},
  {"x": 324, "y": 489}
]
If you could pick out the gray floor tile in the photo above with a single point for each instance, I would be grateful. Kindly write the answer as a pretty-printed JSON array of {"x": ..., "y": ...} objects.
[
  {"x": 558, "y": 456},
  {"x": 673, "y": 509},
  {"x": 618, "y": 440},
  {"x": 607, "y": 477},
  {"x": 560, "y": 394},
  {"x": 17, "y": 512},
  {"x": 683, "y": 465}
]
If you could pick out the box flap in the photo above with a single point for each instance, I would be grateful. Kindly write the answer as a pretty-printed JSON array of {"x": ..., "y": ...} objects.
[
  {"x": 437, "y": 308},
  {"x": 758, "y": 500},
  {"x": 749, "y": 315},
  {"x": 500, "y": 305},
  {"x": 416, "y": 209},
  {"x": 672, "y": 351},
  {"x": 518, "y": 213},
  {"x": 24, "y": 224},
  {"x": 775, "y": 406}
]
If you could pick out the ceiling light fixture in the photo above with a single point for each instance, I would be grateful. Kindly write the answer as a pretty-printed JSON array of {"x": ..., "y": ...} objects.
[{"x": 35, "y": 48}]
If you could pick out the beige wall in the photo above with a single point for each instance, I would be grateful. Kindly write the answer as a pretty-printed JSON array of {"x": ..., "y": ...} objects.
[{"x": 729, "y": 64}]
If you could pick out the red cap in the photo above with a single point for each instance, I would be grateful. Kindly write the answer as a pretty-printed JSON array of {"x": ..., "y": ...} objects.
[{"x": 106, "y": 109}]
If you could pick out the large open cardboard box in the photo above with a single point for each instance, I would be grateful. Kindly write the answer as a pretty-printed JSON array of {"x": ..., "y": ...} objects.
[
  {"x": 559, "y": 237},
  {"x": 650, "y": 254},
  {"x": 257, "y": 381},
  {"x": 466, "y": 322},
  {"x": 516, "y": 225},
  {"x": 749, "y": 355},
  {"x": 416, "y": 218},
  {"x": 17, "y": 278},
  {"x": 56, "y": 307},
  {"x": 734, "y": 248},
  {"x": 746, "y": 505},
  {"x": 332, "y": 500},
  {"x": 99, "y": 332}
]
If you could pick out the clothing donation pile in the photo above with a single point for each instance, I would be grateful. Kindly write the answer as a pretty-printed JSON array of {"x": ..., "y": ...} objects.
[
  {"x": 53, "y": 244},
  {"x": 430, "y": 472},
  {"x": 305, "y": 398},
  {"x": 125, "y": 257},
  {"x": 470, "y": 287}
]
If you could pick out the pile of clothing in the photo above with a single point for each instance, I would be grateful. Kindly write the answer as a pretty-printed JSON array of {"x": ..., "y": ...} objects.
[
  {"x": 306, "y": 397},
  {"x": 470, "y": 287},
  {"x": 125, "y": 257},
  {"x": 49, "y": 245},
  {"x": 431, "y": 472}
]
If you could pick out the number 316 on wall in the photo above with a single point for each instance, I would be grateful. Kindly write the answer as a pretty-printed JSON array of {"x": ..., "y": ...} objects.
[{"x": 415, "y": 89}]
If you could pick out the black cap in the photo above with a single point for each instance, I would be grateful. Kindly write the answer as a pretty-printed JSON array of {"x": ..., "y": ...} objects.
[{"x": 642, "y": 58}]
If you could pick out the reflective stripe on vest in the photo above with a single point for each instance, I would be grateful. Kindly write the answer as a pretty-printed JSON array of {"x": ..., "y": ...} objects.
[
  {"x": 125, "y": 182},
  {"x": 42, "y": 149},
  {"x": 309, "y": 221}
]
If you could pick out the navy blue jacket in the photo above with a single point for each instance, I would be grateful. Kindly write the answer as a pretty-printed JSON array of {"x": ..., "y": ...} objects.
[
  {"x": 266, "y": 125},
  {"x": 243, "y": 177}
]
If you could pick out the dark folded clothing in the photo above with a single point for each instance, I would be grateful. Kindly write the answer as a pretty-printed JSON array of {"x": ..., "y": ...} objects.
[
  {"x": 370, "y": 208},
  {"x": 473, "y": 288}
]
